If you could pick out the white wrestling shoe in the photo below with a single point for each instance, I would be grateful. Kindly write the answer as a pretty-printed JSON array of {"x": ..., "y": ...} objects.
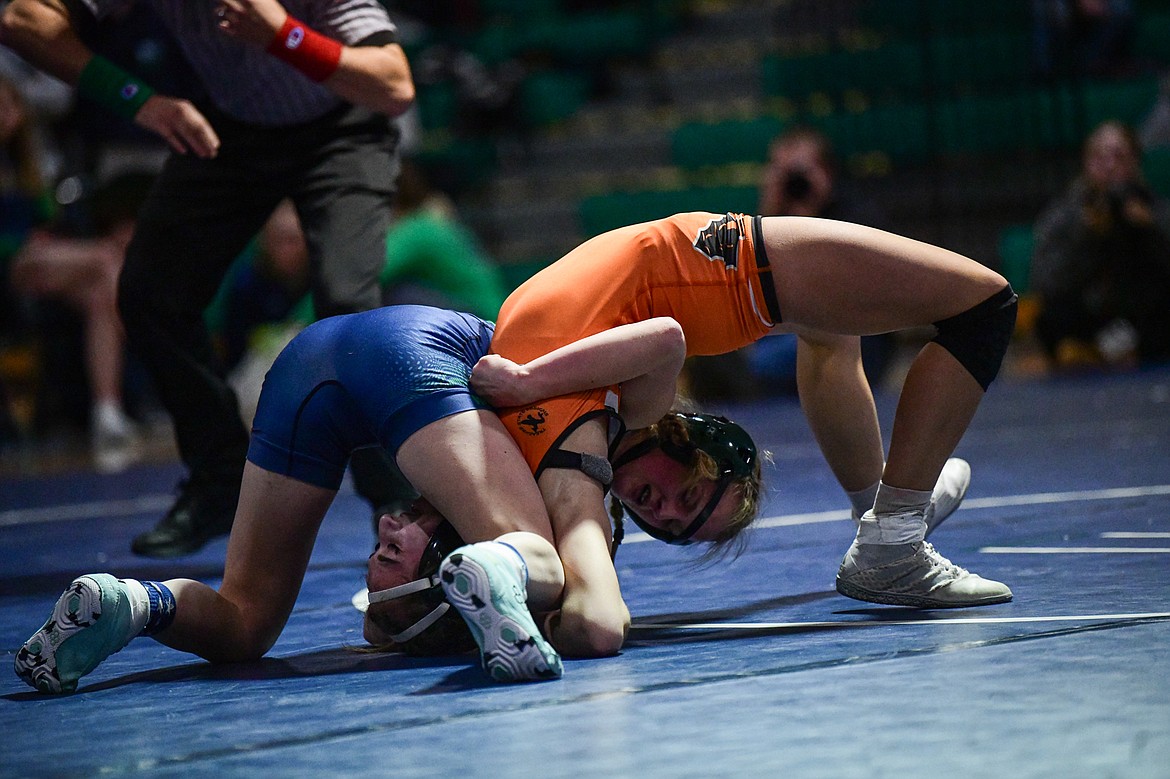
[
  {"x": 913, "y": 575},
  {"x": 948, "y": 492},
  {"x": 91, "y": 621},
  {"x": 490, "y": 597}
]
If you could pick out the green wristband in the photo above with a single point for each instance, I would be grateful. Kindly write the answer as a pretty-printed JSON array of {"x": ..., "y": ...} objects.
[{"x": 108, "y": 85}]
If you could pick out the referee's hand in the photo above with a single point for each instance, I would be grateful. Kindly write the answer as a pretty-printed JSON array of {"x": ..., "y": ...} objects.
[
  {"x": 180, "y": 124},
  {"x": 254, "y": 21}
]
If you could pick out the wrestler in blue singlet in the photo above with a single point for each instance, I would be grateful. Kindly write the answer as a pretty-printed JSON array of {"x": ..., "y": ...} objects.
[{"x": 365, "y": 379}]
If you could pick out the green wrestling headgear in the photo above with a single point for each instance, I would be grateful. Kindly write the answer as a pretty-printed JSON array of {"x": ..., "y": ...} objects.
[{"x": 725, "y": 442}]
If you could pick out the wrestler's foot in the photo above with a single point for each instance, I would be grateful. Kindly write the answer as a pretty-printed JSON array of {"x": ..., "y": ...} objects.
[
  {"x": 490, "y": 597},
  {"x": 948, "y": 492},
  {"x": 913, "y": 575},
  {"x": 91, "y": 621}
]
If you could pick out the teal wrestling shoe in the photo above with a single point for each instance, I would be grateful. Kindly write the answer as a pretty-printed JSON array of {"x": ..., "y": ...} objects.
[
  {"x": 91, "y": 621},
  {"x": 490, "y": 597}
]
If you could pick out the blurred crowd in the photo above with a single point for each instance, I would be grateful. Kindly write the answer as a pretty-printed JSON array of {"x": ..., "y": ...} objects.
[{"x": 72, "y": 177}]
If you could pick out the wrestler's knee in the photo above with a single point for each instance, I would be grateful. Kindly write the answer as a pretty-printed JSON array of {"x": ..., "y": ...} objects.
[{"x": 978, "y": 337}]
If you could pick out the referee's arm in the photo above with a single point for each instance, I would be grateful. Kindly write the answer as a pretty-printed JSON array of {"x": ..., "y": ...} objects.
[
  {"x": 42, "y": 32},
  {"x": 374, "y": 73}
]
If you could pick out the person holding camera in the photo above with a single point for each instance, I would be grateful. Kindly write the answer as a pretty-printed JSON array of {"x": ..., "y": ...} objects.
[
  {"x": 801, "y": 178},
  {"x": 1101, "y": 260}
]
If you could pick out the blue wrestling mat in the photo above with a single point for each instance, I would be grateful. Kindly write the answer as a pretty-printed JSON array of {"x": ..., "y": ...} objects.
[{"x": 750, "y": 668}]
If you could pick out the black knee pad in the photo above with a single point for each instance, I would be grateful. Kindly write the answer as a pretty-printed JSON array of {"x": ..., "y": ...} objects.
[{"x": 978, "y": 337}]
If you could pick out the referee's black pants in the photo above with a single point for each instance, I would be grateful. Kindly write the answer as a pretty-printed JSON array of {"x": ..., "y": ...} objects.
[{"x": 339, "y": 170}]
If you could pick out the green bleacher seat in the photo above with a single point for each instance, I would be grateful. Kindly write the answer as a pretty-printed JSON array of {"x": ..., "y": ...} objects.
[
  {"x": 981, "y": 60},
  {"x": 1128, "y": 101},
  {"x": 1015, "y": 255},
  {"x": 437, "y": 105},
  {"x": 1152, "y": 40},
  {"x": 518, "y": 272},
  {"x": 549, "y": 96},
  {"x": 1156, "y": 167},
  {"x": 701, "y": 144},
  {"x": 911, "y": 18}
]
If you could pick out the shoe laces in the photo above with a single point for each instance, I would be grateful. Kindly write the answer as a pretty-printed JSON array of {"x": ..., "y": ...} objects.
[{"x": 937, "y": 559}]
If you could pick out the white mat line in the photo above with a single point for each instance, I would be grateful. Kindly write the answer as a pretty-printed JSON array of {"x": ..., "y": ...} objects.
[
  {"x": 1067, "y": 497},
  {"x": 811, "y": 518},
  {"x": 1075, "y": 550},
  {"x": 750, "y": 626},
  {"x": 94, "y": 509},
  {"x": 156, "y": 502},
  {"x": 1134, "y": 534}
]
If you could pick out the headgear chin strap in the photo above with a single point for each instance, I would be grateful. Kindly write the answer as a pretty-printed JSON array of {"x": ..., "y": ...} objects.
[
  {"x": 728, "y": 444},
  {"x": 444, "y": 541}
]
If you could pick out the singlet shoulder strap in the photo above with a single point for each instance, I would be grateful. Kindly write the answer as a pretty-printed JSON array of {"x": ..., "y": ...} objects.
[{"x": 592, "y": 465}]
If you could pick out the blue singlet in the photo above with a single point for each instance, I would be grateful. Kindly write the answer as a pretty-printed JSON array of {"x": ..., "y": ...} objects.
[{"x": 365, "y": 379}]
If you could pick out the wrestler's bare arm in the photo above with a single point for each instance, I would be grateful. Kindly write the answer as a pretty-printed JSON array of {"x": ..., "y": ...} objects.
[
  {"x": 644, "y": 357},
  {"x": 593, "y": 619}
]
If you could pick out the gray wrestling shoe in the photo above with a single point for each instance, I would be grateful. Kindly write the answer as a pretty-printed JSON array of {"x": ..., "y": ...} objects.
[
  {"x": 948, "y": 492},
  {"x": 491, "y": 599},
  {"x": 913, "y": 575},
  {"x": 91, "y": 621}
]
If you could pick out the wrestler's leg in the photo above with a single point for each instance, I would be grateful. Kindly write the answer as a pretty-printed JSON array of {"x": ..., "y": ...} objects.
[
  {"x": 844, "y": 279},
  {"x": 847, "y": 279},
  {"x": 272, "y": 537},
  {"x": 275, "y": 526},
  {"x": 470, "y": 469}
]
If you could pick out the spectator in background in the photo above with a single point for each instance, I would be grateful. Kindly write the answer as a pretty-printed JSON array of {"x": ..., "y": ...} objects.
[
  {"x": 262, "y": 304},
  {"x": 800, "y": 178},
  {"x": 1083, "y": 37},
  {"x": 1101, "y": 263},
  {"x": 432, "y": 258},
  {"x": 25, "y": 204},
  {"x": 267, "y": 289},
  {"x": 83, "y": 273}
]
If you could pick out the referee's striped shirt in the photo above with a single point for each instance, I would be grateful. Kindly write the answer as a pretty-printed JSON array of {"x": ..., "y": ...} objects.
[{"x": 246, "y": 82}]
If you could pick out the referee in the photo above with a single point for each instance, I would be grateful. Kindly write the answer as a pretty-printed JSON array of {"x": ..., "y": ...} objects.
[{"x": 301, "y": 94}]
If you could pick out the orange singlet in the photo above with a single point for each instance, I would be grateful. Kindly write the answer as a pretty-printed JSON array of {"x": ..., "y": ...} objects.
[{"x": 702, "y": 269}]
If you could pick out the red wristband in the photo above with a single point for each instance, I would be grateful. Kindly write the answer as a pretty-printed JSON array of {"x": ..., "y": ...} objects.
[{"x": 312, "y": 53}]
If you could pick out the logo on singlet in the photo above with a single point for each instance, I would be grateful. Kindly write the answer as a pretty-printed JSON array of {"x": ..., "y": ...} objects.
[
  {"x": 531, "y": 420},
  {"x": 719, "y": 241}
]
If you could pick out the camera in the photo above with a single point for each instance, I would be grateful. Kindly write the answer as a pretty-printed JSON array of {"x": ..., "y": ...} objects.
[{"x": 797, "y": 185}]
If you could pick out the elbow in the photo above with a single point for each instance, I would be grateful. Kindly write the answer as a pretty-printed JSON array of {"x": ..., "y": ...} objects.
[
  {"x": 399, "y": 103},
  {"x": 678, "y": 341},
  {"x": 670, "y": 339},
  {"x": 14, "y": 25},
  {"x": 394, "y": 99},
  {"x": 398, "y": 93},
  {"x": 603, "y": 640},
  {"x": 598, "y": 636}
]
